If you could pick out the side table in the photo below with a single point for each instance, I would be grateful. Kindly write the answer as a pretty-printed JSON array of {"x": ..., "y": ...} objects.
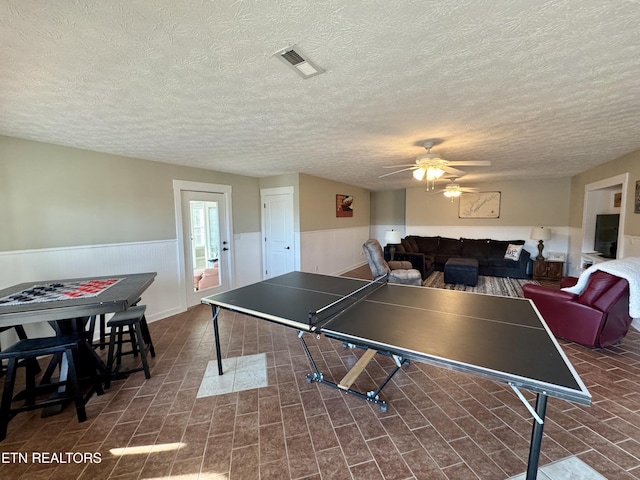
[{"x": 548, "y": 270}]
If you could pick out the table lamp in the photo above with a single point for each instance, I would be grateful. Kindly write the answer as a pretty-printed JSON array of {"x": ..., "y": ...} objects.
[
  {"x": 392, "y": 238},
  {"x": 540, "y": 234}
]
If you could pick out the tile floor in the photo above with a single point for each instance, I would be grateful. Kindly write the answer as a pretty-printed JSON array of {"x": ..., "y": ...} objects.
[
  {"x": 440, "y": 424},
  {"x": 240, "y": 373},
  {"x": 570, "y": 468}
]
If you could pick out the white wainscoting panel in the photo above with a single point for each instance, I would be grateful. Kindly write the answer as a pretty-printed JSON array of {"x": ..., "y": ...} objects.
[
  {"x": 631, "y": 246},
  {"x": 248, "y": 258},
  {"x": 161, "y": 297},
  {"x": 632, "y": 249},
  {"x": 574, "y": 266},
  {"x": 332, "y": 252}
]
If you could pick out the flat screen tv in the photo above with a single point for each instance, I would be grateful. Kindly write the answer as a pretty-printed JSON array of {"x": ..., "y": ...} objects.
[{"x": 606, "y": 241}]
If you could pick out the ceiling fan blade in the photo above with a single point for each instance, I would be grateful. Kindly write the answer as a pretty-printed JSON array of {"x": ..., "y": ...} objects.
[
  {"x": 398, "y": 171},
  {"x": 447, "y": 177},
  {"x": 453, "y": 171},
  {"x": 469, "y": 190},
  {"x": 404, "y": 165},
  {"x": 471, "y": 163}
]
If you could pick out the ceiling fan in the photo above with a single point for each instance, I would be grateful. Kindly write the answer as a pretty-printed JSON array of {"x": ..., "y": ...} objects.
[
  {"x": 431, "y": 166},
  {"x": 453, "y": 189}
]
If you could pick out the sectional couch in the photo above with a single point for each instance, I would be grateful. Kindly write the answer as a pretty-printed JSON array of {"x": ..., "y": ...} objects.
[{"x": 427, "y": 254}]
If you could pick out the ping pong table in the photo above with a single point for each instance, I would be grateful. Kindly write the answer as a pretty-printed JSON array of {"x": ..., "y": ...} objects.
[{"x": 500, "y": 338}]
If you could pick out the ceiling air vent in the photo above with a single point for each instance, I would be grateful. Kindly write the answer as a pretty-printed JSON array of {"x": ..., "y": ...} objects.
[{"x": 295, "y": 59}]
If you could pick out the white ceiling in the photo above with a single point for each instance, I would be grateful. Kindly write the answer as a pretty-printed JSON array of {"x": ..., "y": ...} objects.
[{"x": 541, "y": 89}]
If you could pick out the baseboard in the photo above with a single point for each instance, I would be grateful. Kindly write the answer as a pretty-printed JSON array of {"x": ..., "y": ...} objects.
[
  {"x": 348, "y": 269},
  {"x": 164, "y": 314}
]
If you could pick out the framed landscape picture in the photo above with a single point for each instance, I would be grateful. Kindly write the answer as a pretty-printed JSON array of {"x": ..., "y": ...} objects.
[{"x": 479, "y": 205}]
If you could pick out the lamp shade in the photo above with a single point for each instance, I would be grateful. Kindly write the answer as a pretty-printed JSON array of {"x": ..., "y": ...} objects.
[
  {"x": 418, "y": 174},
  {"x": 434, "y": 173},
  {"x": 540, "y": 233},
  {"x": 392, "y": 236}
]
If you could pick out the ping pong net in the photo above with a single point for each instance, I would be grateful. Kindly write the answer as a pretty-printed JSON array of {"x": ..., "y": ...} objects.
[{"x": 321, "y": 316}]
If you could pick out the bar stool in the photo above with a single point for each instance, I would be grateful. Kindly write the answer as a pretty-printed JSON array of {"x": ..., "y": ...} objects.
[
  {"x": 28, "y": 350},
  {"x": 133, "y": 323},
  {"x": 22, "y": 335},
  {"x": 100, "y": 322}
]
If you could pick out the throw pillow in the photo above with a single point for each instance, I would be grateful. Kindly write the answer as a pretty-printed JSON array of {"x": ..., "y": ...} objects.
[
  {"x": 513, "y": 252},
  {"x": 413, "y": 246},
  {"x": 408, "y": 246}
]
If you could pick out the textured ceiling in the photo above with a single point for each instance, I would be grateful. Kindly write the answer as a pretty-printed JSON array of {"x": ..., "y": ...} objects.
[{"x": 541, "y": 89}]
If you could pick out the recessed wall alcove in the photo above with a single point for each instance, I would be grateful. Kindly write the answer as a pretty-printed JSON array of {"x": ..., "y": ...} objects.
[{"x": 599, "y": 198}]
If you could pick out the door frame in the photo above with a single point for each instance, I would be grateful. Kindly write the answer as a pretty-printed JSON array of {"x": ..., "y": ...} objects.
[
  {"x": 589, "y": 210},
  {"x": 178, "y": 187},
  {"x": 279, "y": 191}
]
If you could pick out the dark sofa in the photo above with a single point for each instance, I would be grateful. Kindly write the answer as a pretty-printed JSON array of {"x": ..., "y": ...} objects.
[{"x": 427, "y": 254}]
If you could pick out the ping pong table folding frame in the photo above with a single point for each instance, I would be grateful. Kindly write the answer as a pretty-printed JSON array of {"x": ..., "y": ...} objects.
[{"x": 319, "y": 319}]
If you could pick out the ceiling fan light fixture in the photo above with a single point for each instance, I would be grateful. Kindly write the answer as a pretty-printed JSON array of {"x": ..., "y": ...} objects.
[
  {"x": 452, "y": 193},
  {"x": 433, "y": 173},
  {"x": 452, "y": 190},
  {"x": 418, "y": 174}
]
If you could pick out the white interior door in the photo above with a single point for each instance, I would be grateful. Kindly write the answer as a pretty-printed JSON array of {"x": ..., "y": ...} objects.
[
  {"x": 277, "y": 230},
  {"x": 206, "y": 244}
]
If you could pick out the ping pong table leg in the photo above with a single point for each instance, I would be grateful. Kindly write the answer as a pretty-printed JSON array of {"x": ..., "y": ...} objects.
[
  {"x": 216, "y": 311},
  {"x": 317, "y": 375},
  {"x": 536, "y": 438},
  {"x": 399, "y": 362},
  {"x": 371, "y": 396}
]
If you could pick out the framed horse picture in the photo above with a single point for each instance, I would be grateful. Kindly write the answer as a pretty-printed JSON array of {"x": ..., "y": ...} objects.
[{"x": 344, "y": 205}]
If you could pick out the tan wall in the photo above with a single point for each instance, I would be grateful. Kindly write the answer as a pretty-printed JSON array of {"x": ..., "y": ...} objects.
[
  {"x": 525, "y": 202},
  {"x": 53, "y": 196},
  {"x": 627, "y": 163},
  {"x": 318, "y": 204},
  {"x": 388, "y": 207}
]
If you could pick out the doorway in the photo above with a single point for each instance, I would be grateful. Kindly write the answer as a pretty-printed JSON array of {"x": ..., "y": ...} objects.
[
  {"x": 279, "y": 252},
  {"x": 204, "y": 234},
  {"x": 598, "y": 199}
]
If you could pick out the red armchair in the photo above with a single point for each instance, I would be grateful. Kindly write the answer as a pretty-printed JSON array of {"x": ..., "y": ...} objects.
[{"x": 598, "y": 317}]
